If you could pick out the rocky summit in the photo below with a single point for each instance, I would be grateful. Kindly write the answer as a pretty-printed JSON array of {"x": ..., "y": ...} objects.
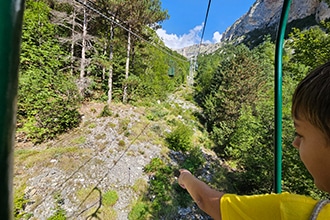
[{"x": 266, "y": 13}]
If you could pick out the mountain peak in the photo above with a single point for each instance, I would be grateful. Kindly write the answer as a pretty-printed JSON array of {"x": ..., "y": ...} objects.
[{"x": 266, "y": 13}]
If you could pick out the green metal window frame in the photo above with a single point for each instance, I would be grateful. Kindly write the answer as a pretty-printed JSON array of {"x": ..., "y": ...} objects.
[{"x": 11, "y": 16}]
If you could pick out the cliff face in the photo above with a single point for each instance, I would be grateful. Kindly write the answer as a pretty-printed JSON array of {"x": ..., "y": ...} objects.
[{"x": 266, "y": 13}]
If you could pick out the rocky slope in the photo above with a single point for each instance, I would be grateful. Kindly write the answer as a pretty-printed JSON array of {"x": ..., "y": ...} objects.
[
  {"x": 266, "y": 13},
  {"x": 264, "y": 16},
  {"x": 192, "y": 51},
  {"x": 105, "y": 154}
]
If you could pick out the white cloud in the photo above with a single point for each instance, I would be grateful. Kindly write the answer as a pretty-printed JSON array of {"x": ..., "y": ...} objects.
[
  {"x": 216, "y": 37},
  {"x": 174, "y": 41}
]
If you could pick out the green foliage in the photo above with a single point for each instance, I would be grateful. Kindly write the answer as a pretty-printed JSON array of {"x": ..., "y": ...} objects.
[
  {"x": 121, "y": 143},
  {"x": 295, "y": 178},
  {"x": 237, "y": 80},
  {"x": 145, "y": 81},
  {"x": 160, "y": 188},
  {"x": 242, "y": 122},
  {"x": 155, "y": 84},
  {"x": 140, "y": 211},
  {"x": 325, "y": 25},
  {"x": 153, "y": 165},
  {"x": 132, "y": 83},
  {"x": 60, "y": 213},
  {"x": 182, "y": 197},
  {"x": 195, "y": 159},
  {"x": 106, "y": 112},
  {"x": 48, "y": 98},
  {"x": 123, "y": 124},
  {"x": 309, "y": 50},
  {"x": 310, "y": 46},
  {"x": 156, "y": 113},
  {"x": 110, "y": 198},
  {"x": 180, "y": 139},
  {"x": 20, "y": 202},
  {"x": 163, "y": 196},
  {"x": 207, "y": 64},
  {"x": 251, "y": 146},
  {"x": 140, "y": 186}
]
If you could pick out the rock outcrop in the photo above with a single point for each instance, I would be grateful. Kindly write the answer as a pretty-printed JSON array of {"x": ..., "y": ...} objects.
[{"x": 266, "y": 13}]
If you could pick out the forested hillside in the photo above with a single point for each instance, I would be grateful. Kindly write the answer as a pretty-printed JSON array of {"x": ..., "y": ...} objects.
[
  {"x": 73, "y": 53},
  {"x": 105, "y": 114}
]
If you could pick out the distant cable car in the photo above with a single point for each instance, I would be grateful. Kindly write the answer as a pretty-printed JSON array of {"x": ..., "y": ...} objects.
[{"x": 171, "y": 69}]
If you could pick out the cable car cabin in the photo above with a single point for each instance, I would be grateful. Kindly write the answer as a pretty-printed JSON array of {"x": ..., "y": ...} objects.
[{"x": 171, "y": 71}]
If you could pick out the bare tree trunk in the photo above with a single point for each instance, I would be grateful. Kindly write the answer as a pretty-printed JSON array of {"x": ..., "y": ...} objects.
[
  {"x": 83, "y": 46},
  {"x": 104, "y": 53},
  {"x": 111, "y": 65},
  {"x": 127, "y": 64},
  {"x": 72, "y": 38}
]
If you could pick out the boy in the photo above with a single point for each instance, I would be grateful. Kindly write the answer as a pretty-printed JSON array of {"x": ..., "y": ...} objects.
[{"x": 311, "y": 116}]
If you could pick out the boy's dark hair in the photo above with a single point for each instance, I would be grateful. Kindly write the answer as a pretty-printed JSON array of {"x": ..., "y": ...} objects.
[{"x": 311, "y": 99}]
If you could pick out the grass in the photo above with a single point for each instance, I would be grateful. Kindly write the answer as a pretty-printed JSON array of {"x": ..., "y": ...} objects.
[
  {"x": 30, "y": 157},
  {"x": 79, "y": 140},
  {"x": 131, "y": 153},
  {"x": 92, "y": 125},
  {"x": 40, "y": 158},
  {"x": 60, "y": 213},
  {"x": 123, "y": 124},
  {"x": 19, "y": 202},
  {"x": 140, "y": 186},
  {"x": 111, "y": 125},
  {"x": 141, "y": 151},
  {"x": 139, "y": 211},
  {"x": 121, "y": 144},
  {"x": 88, "y": 195},
  {"x": 24, "y": 154},
  {"x": 107, "y": 213},
  {"x": 110, "y": 198},
  {"x": 102, "y": 145},
  {"x": 153, "y": 132},
  {"x": 157, "y": 113},
  {"x": 100, "y": 136}
]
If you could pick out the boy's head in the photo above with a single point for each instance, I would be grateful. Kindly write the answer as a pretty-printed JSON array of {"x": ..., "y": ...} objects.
[{"x": 311, "y": 99}]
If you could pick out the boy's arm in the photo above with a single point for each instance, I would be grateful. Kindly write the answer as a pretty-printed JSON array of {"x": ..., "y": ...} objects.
[{"x": 206, "y": 198}]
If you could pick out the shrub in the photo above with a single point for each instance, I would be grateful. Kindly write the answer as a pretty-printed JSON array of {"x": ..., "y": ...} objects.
[
  {"x": 110, "y": 198},
  {"x": 180, "y": 139},
  {"x": 194, "y": 160},
  {"x": 156, "y": 113},
  {"x": 139, "y": 211},
  {"x": 106, "y": 112}
]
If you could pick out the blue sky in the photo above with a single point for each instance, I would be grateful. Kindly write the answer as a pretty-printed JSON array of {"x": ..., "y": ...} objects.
[{"x": 184, "y": 28}]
